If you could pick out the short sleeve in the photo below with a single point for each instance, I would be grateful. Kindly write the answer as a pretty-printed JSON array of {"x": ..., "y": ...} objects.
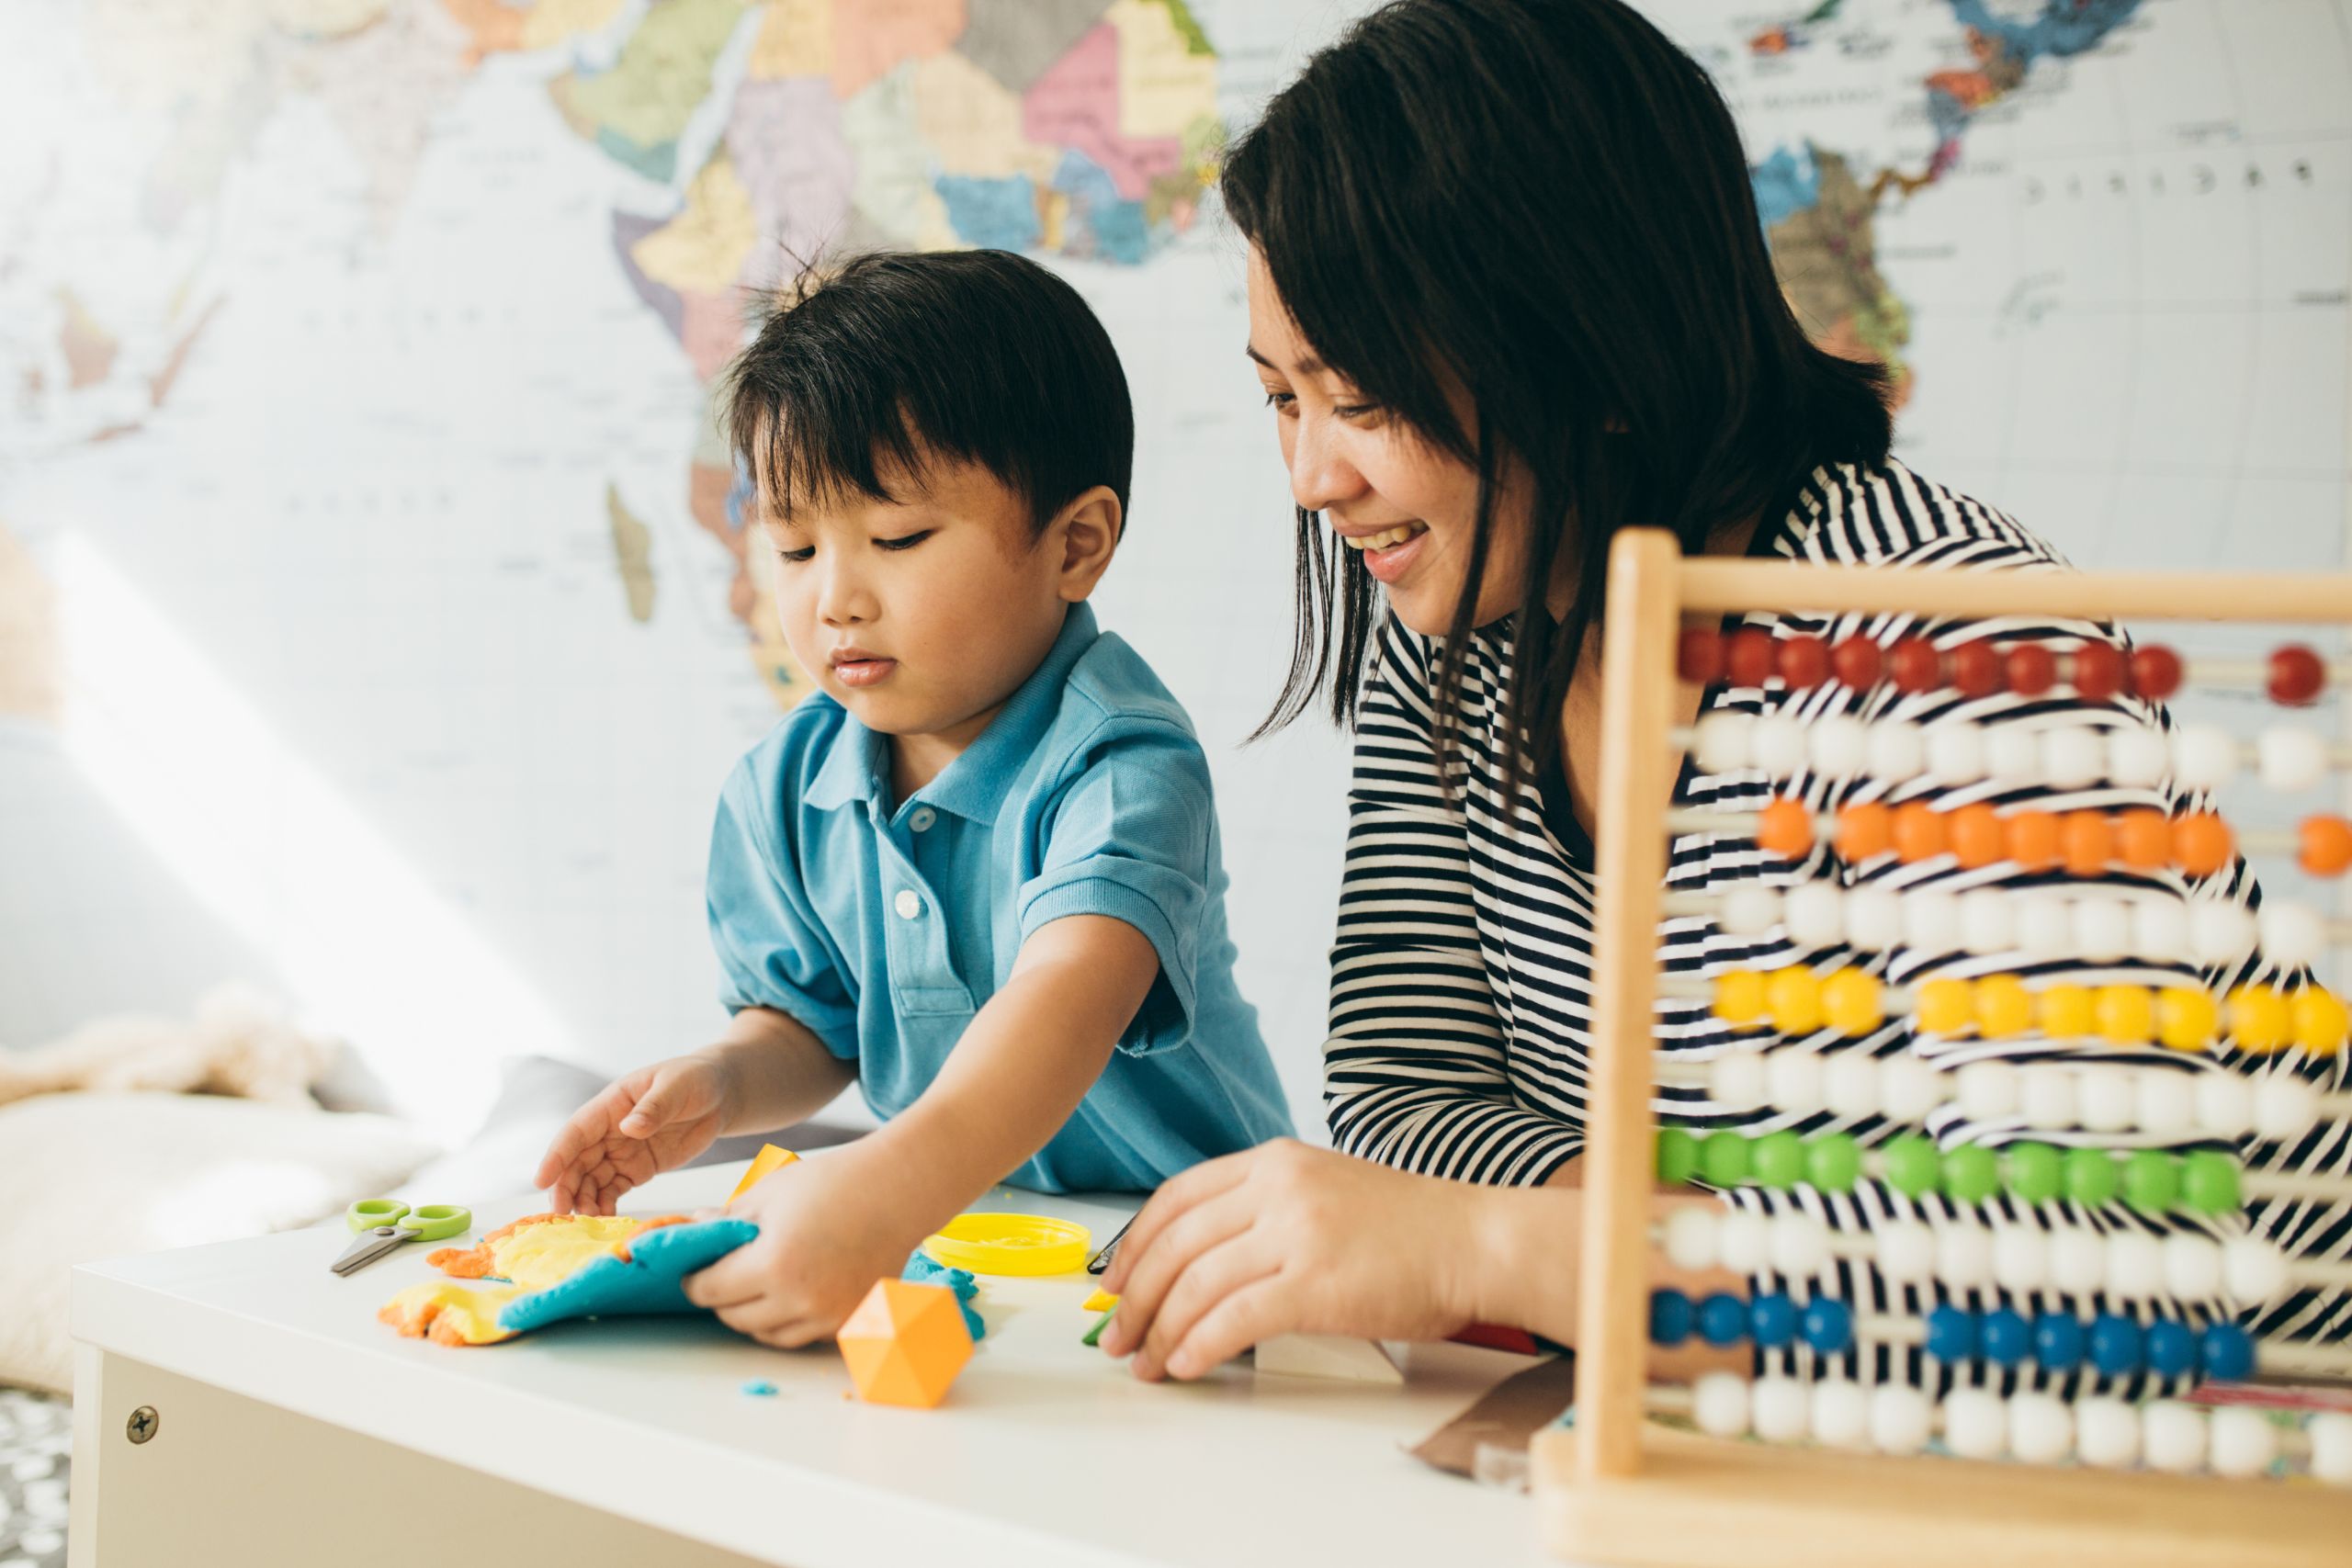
[
  {"x": 1132, "y": 837},
  {"x": 770, "y": 945}
]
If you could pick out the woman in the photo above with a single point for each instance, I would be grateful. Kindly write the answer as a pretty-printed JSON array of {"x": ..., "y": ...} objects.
[{"x": 1508, "y": 293}]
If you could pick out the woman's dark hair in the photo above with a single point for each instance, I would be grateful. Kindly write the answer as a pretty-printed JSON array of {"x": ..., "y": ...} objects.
[
  {"x": 1545, "y": 202},
  {"x": 865, "y": 371}
]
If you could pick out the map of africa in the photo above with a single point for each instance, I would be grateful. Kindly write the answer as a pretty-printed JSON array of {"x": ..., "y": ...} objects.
[{"x": 374, "y": 601}]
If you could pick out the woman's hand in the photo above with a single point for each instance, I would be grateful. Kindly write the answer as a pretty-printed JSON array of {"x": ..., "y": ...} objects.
[
  {"x": 1285, "y": 1238},
  {"x": 655, "y": 1119},
  {"x": 829, "y": 1229}
]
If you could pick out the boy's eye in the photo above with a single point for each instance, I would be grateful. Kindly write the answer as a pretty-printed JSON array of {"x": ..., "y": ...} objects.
[
  {"x": 904, "y": 541},
  {"x": 799, "y": 554}
]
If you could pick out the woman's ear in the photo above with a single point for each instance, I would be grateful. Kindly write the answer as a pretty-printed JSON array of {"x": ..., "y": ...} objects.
[{"x": 1088, "y": 528}]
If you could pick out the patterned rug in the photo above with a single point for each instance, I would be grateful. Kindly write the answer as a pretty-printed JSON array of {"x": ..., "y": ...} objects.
[{"x": 35, "y": 1438}]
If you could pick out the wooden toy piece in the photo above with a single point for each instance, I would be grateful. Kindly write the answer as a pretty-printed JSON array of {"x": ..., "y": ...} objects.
[
  {"x": 769, "y": 1159},
  {"x": 1333, "y": 1355},
  {"x": 905, "y": 1344}
]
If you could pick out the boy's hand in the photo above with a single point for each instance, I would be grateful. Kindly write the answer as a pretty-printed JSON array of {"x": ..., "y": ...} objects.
[
  {"x": 656, "y": 1118},
  {"x": 828, "y": 1230}
]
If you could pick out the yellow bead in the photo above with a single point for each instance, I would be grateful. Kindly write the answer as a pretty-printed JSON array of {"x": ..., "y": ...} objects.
[
  {"x": 1794, "y": 995},
  {"x": 2067, "y": 1012},
  {"x": 2127, "y": 1014},
  {"x": 2320, "y": 1021},
  {"x": 1946, "y": 1007},
  {"x": 1739, "y": 998},
  {"x": 2258, "y": 1018},
  {"x": 1851, "y": 999},
  {"x": 2186, "y": 1019},
  {"x": 2004, "y": 1007}
]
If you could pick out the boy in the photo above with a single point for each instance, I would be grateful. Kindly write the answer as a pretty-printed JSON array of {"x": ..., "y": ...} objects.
[{"x": 979, "y": 871}]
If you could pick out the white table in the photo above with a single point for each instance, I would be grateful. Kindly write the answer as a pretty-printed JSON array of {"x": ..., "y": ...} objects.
[{"x": 281, "y": 1400}]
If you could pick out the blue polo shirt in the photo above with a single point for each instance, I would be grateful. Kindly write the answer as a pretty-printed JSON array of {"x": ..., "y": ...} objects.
[{"x": 885, "y": 929}]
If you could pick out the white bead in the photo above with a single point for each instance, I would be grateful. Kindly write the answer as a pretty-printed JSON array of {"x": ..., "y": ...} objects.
[
  {"x": 2102, "y": 929},
  {"x": 1749, "y": 908},
  {"x": 2137, "y": 758},
  {"x": 1743, "y": 1242},
  {"x": 1850, "y": 1085},
  {"x": 2135, "y": 1265},
  {"x": 1987, "y": 1090},
  {"x": 2041, "y": 1429},
  {"x": 2020, "y": 1258},
  {"x": 2284, "y": 1106},
  {"x": 2046, "y": 1097},
  {"x": 2220, "y": 933},
  {"x": 2077, "y": 1261},
  {"x": 2072, "y": 757},
  {"x": 2045, "y": 926},
  {"x": 2253, "y": 1271},
  {"x": 2192, "y": 1266},
  {"x": 1779, "y": 1409},
  {"x": 1901, "y": 1419},
  {"x": 1985, "y": 923},
  {"x": 2106, "y": 1433},
  {"x": 2224, "y": 1105},
  {"x": 1815, "y": 914},
  {"x": 1955, "y": 753},
  {"x": 2244, "y": 1442},
  {"x": 2203, "y": 757},
  {"x": 2291, "y": 759},
  {"x": 1736, "y": 1080},
  {"x": 1690, "y": 1238},
  {"x": 2103, "y": 1099},
  {"x": 2331, "y": 1435},
  {"x": 1719, "y": 742},
  {"x": 1965, "y": 1255},
  {"x": 1719, "y": 1404},
  {"x": 1975, "y": 1426},
  {"x": 1841, "y": 1415},
  {"x": 2172, "y": 1436},
  {"x": 1874, "y": 916},
  {"x": 1799, "y": 1246},
  {"x": 2292, "y": 934},
  {"x": 1792, "y": 1081},
  {"x": 1896, "y": 751},
  {"x": 2166, "y": 1101},
  {"x": 1909, "y": 1088},
  {"x": 2012, "y": 755},
  {"x": 1841, "y": 745},
  {"x": 1931, "y": 922},
  {"x": 1778, "y": 746},
  {"x": 2160, "y": 930},
  {"x": 1906, "y": 1251}
]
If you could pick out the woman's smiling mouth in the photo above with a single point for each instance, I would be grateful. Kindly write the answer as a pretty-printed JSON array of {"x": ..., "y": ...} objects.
[{"x": 1389, "y": 553}]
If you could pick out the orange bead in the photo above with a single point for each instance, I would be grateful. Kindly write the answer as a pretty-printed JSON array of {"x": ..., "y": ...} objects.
[
  {"x": 1976, "y": 835},
  {"x": 1864, "y": 831},
  {"x": 2086, "y": 842},
  {"x": 2143, "y": 839},
  {"x": 2326, "y": 845},
  {"x": 1785, "y": 828},
  {"x": 1920, "y": 832},
  {"x": 2201, "y": 843},
  {"x": 2033, "y": 839}
]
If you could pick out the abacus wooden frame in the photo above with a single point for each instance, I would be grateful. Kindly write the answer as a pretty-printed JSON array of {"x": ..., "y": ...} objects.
[{"x": 1618, "y": 1488}]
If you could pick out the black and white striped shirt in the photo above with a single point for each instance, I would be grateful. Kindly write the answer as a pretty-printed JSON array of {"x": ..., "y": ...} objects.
[{"x": 1462, "y": 970}]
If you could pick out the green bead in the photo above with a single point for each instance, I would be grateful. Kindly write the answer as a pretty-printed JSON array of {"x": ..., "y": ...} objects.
[
  {"x": 1780, "y": 1161},
  {"x": 1726, "y": 1158},
  {"x": 1972, "y": 1173},
  {"x": 2090, "y": 1177},
  {"x": 1678, "y": 1155},
  {"x": 1912, "y": 1165},
  {"x": 2152, "y": 1181},
  {"x": 2209, "y": 1182},
  {"x": 2035, "y": 1172},
  {"x": 1833, "y": 1161}
]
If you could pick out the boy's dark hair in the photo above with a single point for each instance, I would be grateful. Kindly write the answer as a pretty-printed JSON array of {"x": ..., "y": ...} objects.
[{"x": 897, "y": 358}]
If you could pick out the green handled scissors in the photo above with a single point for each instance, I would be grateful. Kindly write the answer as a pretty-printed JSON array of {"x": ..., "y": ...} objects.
[{"x": 385, "y": 1224}]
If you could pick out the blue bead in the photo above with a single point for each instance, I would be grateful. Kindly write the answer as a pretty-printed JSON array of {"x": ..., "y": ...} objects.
[
  {"x": 2057, "y": 1342},
  {"x": 1723, "y": 1319},
  {"x": 2004, "y": 1336},
  {"x": 1773, "y": 1318},
  {"x": 2172, "y": 1347},
  {"x": 1828, "y": 1325},
  {"x": 1671, "y": 1315},
  {"x": 1951, "y": 1333},
  {"x": 2229, "y": 1352},
  {"x": 2115, "y": 1345}
]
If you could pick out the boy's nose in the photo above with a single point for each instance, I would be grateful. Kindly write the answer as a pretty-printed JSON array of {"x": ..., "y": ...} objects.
[{"x": 844, "y": 602}]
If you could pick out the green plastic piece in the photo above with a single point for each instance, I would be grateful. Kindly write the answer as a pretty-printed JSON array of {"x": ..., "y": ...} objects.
[
  {"x": 1780, "y": 1161},
  {"x": 2091, "y": 1177},
  {"x": 1094, "y": 1335},
  {"x": 2152, "y": 1181},
  {"x": 1972, "y": 1173},
  {"x": 2209, "y": 1182},
  {"x": 1912, "y": 1165},
  {"x": 1832, "y": 1162},
  {"x": 1678, "y": 1155},
  {"x": 1726, "y": 1158},
  {"x": 2036, "y": 1173}
]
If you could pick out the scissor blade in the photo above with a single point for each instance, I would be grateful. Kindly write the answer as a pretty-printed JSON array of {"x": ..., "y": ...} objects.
[{"x": 370, "y": 1245}]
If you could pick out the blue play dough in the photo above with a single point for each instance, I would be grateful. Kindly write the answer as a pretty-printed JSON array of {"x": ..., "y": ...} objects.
[{"x": 921, "y": 1269}]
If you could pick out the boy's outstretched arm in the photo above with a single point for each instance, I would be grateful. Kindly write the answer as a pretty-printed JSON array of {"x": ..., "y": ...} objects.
[{"x": 830, "y": 1227}]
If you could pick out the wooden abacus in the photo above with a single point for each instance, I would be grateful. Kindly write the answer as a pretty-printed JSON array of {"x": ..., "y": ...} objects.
[{"x": 1618, "y": 1485}]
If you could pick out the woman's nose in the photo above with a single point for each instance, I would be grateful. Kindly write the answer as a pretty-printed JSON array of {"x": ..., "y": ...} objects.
[{"x": 1320, "y": 475}]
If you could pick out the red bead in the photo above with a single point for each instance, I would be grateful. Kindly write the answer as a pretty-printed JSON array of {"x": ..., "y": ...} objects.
[
  {"x": 1975, "y": 670},
  {"x": 2155, "y": 671},
  {"x": 1856, "y": 660},
  {"x": 2297, "y": 677},
  {"x": 2098, "y": 671},
  {"x": 1805, "y": 662},
  {"x": 1748, "y": 657},
  {"x": 1915, "y": 665},
  {"x": 1699, "y": 658},
  {"x": 2032, "y": 669}
]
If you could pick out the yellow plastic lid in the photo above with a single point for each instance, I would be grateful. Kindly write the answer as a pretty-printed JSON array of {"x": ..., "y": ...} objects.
[{"x": 1010, "y": 1244}]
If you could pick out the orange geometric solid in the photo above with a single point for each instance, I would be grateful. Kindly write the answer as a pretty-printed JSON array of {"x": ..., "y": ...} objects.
[{"x": 905, "y": 1344}]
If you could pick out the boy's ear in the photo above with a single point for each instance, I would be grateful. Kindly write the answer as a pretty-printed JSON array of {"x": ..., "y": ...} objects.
[{"x": 1088, "y": 529}]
